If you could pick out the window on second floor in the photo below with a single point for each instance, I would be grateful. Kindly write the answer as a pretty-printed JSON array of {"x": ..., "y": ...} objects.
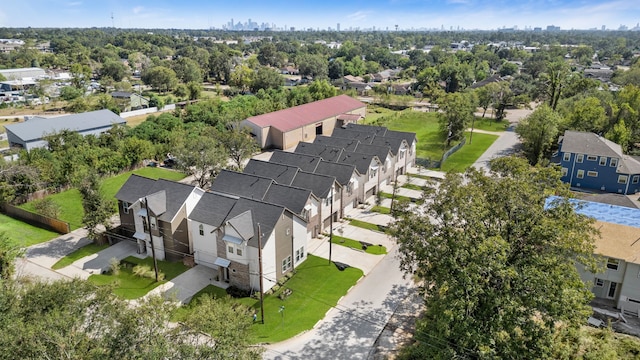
[
  {"x": 592, "y": 157},
  {"x": 579, "y": 158},
  {"x": 603, "y": 161},
  {"x": 613, "y": 264},
  {"x": 635, "y": 179},
  {"x": 286, "y": 263},
  {"x": 622, "y": 179},
  {"x": 599, "y": 282},
  {"x": 201, "y": 230},
  {"x": 614, "y": 162},
  {"x": 565, "y": 171},
  {"x": 230, "y": 248},
  {"x": 566, "y": 156},
  {"x": 592, "y": 173},
  {"x": 239, "y": 252},
  {"x": 580, "y": 174},
  {"x": 125, "y": 207}
]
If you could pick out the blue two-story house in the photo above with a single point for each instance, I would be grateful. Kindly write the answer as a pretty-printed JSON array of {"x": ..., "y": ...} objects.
[{"x": 593, "y": 162}]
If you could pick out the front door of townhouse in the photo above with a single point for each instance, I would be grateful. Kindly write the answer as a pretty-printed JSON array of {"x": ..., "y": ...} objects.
[{"x": 612, "y": 290}]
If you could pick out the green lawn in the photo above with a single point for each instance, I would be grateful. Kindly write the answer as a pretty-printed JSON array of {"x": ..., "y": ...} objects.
[
  {"x": 23, "y": 233},
  {"x": 129, "y": 286},
  {"x": 316, "y": 287},
  {"x": 367, "y": 225},
  {"x": 469, "y": 153},
  {"x": 413, "y": 186},
  {"x": 87, "y": 250},
  {"x": 489, "y": 124},
  {"x": 381, "y": 209},
  {"x": 70, "y": 201},
  {"x": 375, "y": 112},
  {"x": 4, "y": 143},
  {"x": 424, "y": 177},
  {"x": 397, "y": 197},
  {"x": 425, "y": 125},
  {"x": 373, "y": 249}
]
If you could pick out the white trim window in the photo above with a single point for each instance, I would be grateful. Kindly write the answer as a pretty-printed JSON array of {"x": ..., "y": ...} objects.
[
  {"x": 230, "y": 248},
  {"x": 592, "y": 173},
  {"x": 566, "y": 156},
  {"x": 622, "y": 179},
  {"x": 603, "y": 161},
  {"x": 565, "y": 171},
  {"x": 592, "y": 158},
  {"x": 613, "y": 162},
  {"x": 125, "y": 207},
  {"x": 286, "y": 264},
  {"x": 635, "y": 179},
  {"x": 613, "y": 264},
  {"x": 598, "y": 282},
  {"x": 579, "y": 158},
  {"x": 580, "y": 174},
  {"x": 201, "y": 230}
]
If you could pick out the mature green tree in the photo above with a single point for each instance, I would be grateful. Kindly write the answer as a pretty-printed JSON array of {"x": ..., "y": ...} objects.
[
  {"x": 268, "y": 55},
  {"x": 160, "y": 78},
  {"x": 97, "y": 209},
  {"x": 81, "y": 75},
  {"x": 508, "y": 68},
  {"x": 187, "y": 70},
  {"x": 587, "y": 115},
  {"x": 242, "y": 77},
  {"x": 457, "y": 114},
  {"x": 266, "y": 78},
  {"x": 194, "y": 89},
  {"x": 496, "y": 264},
  {"x": 9, "y": 252},
  {"x": 181, "y": 91},
  {"x": 114, "y": 69},
  {"x": 322, "y": 89},
  {"x": 538, "y": 132},
  {"x": 554, "y": 80},
  {"x": 314, "y": 66},
  {"x": 620, "y": 134},
  {"x": 69, "y": 93},
  {"x": 202, "y": 157},
  {"x": 238, "y": 143}
]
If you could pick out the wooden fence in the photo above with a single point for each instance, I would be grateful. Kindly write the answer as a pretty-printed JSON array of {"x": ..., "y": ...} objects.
[{"x": 34, "y": 219}]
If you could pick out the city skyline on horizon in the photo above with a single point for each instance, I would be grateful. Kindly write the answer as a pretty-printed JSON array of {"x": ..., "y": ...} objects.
[{"x": 351, "y": 15}]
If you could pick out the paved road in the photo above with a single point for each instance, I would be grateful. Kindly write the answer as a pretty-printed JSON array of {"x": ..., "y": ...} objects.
[{"x": 349, "y": 330}]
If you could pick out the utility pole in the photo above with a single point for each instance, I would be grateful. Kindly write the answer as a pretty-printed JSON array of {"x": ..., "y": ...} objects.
[
  {"x": 260, "y": 274},
  {"x": 331, "y": 224},
  {"x": 153, "y": 248}
]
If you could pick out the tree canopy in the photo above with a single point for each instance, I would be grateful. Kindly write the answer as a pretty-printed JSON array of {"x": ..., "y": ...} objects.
[{"x": 496, "y": 263}]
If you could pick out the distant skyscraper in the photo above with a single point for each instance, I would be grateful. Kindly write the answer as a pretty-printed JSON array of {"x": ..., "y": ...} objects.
[{"x": 338, "y": 27}]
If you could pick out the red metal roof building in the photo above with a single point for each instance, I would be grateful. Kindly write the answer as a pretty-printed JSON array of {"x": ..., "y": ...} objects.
[{"x": 283, "y": 129}]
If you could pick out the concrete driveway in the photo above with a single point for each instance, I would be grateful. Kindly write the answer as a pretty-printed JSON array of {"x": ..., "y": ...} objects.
[
  {"x": 184, "y": 286},
  {"x": 350, "y": 329},
  {"x": 99, "y": 262}
]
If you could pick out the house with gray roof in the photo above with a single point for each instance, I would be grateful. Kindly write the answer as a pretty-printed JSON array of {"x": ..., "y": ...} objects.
[
  {"x": 241, "y": 184},
  {"x": 347, "y": 143},
  {"x": 280, "y": 173},
  {"x": 590, "y": 161},
  {"x": 30, "y": 134},
  {"x": 302, "y": 161},
  {"x": 328, "y": 153},
  {"x": 155, "y": 212},
  {"x": 368, "y": 166},
  {"x": 349, "y": 178}
]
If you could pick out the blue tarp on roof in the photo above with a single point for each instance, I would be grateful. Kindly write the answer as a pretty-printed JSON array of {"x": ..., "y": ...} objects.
[{"x": 604, "y": 212}]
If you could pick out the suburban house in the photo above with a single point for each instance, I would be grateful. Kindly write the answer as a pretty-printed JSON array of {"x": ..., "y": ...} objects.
[
  {"x": 283, "y": 129},
  {"x": 323, "y": 187},
  {"x": 30, "y": 133},
  {"x": 590, "y": 161},
  {"x": 157, "y": 210},
  {"x": 300, "y": 201},
  {"x": 130, "y": 101},
  {"x": 619, "y": 250},
  {"x": 231, "y": 234}
]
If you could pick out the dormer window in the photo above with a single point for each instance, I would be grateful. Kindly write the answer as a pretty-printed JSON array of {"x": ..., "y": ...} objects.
[{"x": 566, "y": 156}]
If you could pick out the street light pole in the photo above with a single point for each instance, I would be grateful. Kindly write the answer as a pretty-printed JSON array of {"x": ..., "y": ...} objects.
[{"x": 153, "y": 248}]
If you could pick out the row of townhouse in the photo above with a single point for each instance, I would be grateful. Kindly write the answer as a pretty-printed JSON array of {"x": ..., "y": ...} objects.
[{"x": 272, "y": 207}]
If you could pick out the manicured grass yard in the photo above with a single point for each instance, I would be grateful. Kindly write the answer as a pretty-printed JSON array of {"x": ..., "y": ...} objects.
[
  {"x": 129, "y": 286},
  {"x": 87, "y": 250},
  {"x": 316, "y": 287},
  {"x": 490, "y": 124},
  {"x": 23, "y": 233},
  {"x": 469, "y": 153},
  {"x": 367, "y": 225},
  {"x": 413, "y": 186},
  {"x": 70, "y": 201},
  {"x": 373, "y": 249},
  {"x": 425, "y": 125},
  {"x": 381, "y": 209}
]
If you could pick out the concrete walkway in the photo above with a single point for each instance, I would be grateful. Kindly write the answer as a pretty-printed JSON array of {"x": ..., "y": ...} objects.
[
  {"x": 100, "y": 261},
  {"x": 184, "y": 286}
]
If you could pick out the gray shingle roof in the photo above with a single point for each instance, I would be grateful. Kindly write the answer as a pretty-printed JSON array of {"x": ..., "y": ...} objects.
[
  {"x": 409, "y": 137},
  {"x": 371, "y": 129},
  {"x": 347, "y": 143},
  {"x": 240, "y": 184},
  {"x": 328, "y": 153},
  {"x": 380, "y": 151},
  {"x": 393, "y": 143},
  {"x": 35, "y": 128},
  {"x": 581, "y": 142},
  {"x": 304, "y": 162},
  {"x": 212, "y": 209},
  {"x": 361, "y": 161},
  {"x": 319, "y": 184},
  {"x": 293, "y": 198},
  {"x": 342, "y": 172},
  {"x": 280, "y": 173},
  {"x": 267, "y": 215},
  {"x": 134, "y": 188}
]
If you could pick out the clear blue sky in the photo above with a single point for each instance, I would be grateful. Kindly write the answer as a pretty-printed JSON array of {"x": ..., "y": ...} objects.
[{"x": 407, "y": 14}]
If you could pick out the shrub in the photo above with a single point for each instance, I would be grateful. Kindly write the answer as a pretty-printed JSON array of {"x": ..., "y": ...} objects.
[
  {"x": 141, "y": 270},
  {"x": 236, "y": 292},
  {"x": 47, "y": 207},
  {"x": 114, "y": 265}
]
